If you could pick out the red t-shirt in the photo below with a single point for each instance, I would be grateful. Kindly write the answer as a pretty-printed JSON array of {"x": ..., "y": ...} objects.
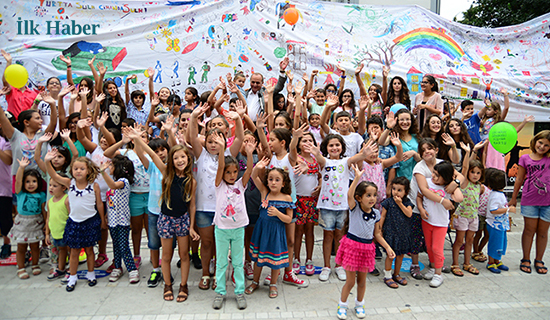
[{"x": 19, "y": 101}]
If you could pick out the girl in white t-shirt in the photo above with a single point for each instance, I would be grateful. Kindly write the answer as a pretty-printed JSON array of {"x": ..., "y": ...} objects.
[
  {"x": 435, "y": 218},
  {"x": 230, "y": 220},
  {"x": 333, "y": 201}
]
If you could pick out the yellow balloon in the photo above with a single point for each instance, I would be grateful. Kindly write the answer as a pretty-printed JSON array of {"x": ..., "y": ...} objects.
[{"x": 16, "y": 75}]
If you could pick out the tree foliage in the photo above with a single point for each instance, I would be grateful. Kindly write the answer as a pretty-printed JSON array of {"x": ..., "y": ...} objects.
[{"x": 501, "y": 13}]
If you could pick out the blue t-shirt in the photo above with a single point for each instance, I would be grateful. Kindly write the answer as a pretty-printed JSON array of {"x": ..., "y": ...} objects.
[
  {"x": 30, "y": 204},
  {"x": 155, "y": 188},
  {"x": 473, "y": 127}
]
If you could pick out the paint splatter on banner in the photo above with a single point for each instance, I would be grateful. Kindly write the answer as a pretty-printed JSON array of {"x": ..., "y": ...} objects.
[{"x": 195, "y": 42}]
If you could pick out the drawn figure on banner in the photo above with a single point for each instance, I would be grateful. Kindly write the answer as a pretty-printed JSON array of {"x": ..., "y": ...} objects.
[
  {"x": 175, "y": 67},
  {"x": 191, "y": 77},
  {"x": 158, "y": 71},
  {"x": 205, "y": 69},
  {"x": 279, "y": 11},
  {"x": 487, "y": 84}
]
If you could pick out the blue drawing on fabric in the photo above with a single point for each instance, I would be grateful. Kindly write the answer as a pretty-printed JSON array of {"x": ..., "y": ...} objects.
[
  {"x": 158, "y": 71},
  {"x": 176, "y": 67}
]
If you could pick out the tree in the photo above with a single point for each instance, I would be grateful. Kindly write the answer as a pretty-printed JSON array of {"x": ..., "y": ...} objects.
[{"x": 501, "y": 13}]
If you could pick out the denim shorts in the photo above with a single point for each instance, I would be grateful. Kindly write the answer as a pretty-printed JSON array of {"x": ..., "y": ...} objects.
[
  {"x": 58, "y": 243},
  {"x": 153, "y": 232},
  {"x": 204, "y": 218},
  {"x": 139, "y": 204},
  {"x": 331, "y": 220},
  {"x": 536, "y": 212}
]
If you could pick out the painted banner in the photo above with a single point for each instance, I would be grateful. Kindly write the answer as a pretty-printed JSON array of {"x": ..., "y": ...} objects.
[{"x": 192, "y": 43}]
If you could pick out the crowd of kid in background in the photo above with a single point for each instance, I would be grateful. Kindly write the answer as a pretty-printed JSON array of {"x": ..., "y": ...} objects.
[{"x": 248, "y": 173}]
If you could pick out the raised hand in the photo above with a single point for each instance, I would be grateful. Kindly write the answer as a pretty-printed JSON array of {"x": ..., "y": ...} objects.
[
  {"x": 290, "y": 76},
  {"x": 298, "y": 87},
  {"x": 156, "y": 101},
  {"x": 151, "y": 72},
  {"x": 169, "y": 123},
  {"x": 105, "y": 165},
  {"x": 394, "y": 139},
  {"x": 83, "y": 93},
  {"x": 66, "y": 59},
  {"x": 260, "y": 122},
  {"x": 131, "y": 133},
  {"x": 370, "y": 148},
  {"x": 101, "y": 68},
  {"x": 364, "y": 102},
  {"x": 385, "y": 71},
  {"x": 91, "y": 62},
  {"x": 50, "y": 155},
  {"x": 465, "y": 147},
  {"x": 358, "y": 172},
  {"x": 269, "y": 88},
  {"x": 283, "y": 64},
  {"x": 249, "y": 147},
  {"x": 48, "y": 98},
  {"x": 24, "y": 162},
  {"x": 339, "y": 67},
  {"x": 232, "y": 87},
  {"x": 306, "y": 78},
  {"x": 132, "y": 77},
  {"x": 504, "y": 91},
  {"x": 74, "y": 94},
  {"x": 359, "y": 68},
  {"x": 6, "y": 56},
  {"x": 46, "y": 137},
  {"x": 314, "y": 73},
  {"x": 448, "y": 140},
  {"x": 65, "y": 134},
  {"x": 5, "y": 90},
  {"x": 83, "y": 123},
  {"x": 240, "y": 108},
  {"x": 262, "y": 163},
  {"x": 100, "y": 97},
  {"x": 66, "y": 90},
  {"x": 332, "y": 101},
  {"x": 298, "y": 133},
  {"x": 300, "y": 167},
  {"x": 390, "y": 120},
  {"x": 101, "y": 120},
  {"x": 529, "y": 119},
  {"x": 480, "y": 145}
]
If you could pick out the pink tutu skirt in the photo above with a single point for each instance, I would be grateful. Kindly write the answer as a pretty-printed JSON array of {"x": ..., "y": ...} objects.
[{"x": 356, "y": 256}]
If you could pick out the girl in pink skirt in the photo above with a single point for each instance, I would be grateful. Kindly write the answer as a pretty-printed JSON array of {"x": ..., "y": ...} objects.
[{"x": 356, "y": 252}]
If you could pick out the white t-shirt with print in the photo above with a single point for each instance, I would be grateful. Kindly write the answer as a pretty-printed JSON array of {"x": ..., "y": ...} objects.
[
  {"x": 438, "y": 216},
  {"x": 334, "y": 185}
]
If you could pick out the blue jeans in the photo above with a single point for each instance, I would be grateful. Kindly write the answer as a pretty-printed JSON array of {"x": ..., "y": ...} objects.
[
  {"x": 226, "y": 239},
  {"x": 536, "y": 212}
]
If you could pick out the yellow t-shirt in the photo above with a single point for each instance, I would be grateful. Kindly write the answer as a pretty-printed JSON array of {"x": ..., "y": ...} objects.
[{"x": 58, "y": 215}]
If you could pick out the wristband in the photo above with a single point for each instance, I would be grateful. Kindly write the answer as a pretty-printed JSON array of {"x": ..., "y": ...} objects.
[
  {"x": 343, "y": 77},
  {"x": 441, "y": 201},
  {"x": 36, "y": 101},
  {"x": 69, "y": 66}
]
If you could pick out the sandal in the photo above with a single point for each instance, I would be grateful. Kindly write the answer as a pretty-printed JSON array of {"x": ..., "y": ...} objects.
[
  {"x": 470, "y": 268},
  {"x": 214, "y": 283},
  {"x": 539, "y": 269},
  {"x": 22, "y": 274},
  {"x": 183, "y": 293},
  {"x": 399, "y": 279},
  {"x": 101, "y": 259},
  {"x": 456, "y": 271},
  {"x": 390, "y": 283},
  {"x": 415, "y": 273},
  {"x": 523, "y": 267},
  {"x": 252, "y": 287},
  {"x": 168, "y": 292},
  {"x": 36, "y": 270},
  {"x": 479, "y": 257},
  {"x": 204, "y": 284},
  {"x": 493, "y": 268},
  {"x": 273, "y": 292}
]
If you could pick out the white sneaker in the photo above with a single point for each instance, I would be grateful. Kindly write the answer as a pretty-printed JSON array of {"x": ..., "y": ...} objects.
[
  {"x": 267, "y": 280},
  {"x": 342, "y": 313},
  {"x": 430, "y": 274},
  {"x": 212, "y": 266},
  {"x": 341, "y": 273},
  {"x": 296, "y": 266},
  {"x": 115, "y": 275},
  {"x": 437, "y": 280},
  {"x": 44, "y": 255},
  {"x": 325, "y": 273},
  {"x": 134, "y": 276}
]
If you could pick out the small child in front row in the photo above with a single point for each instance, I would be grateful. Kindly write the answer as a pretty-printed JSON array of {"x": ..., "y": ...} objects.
[
  {"x": 356, "y": 252},
  {"x": 118, "y": 214},
  {"x": 435, "y": 217},
  {"x": 396, "y": 229},
  {"x": 29, "y": 222},
  {"x": 230, "y": 221},
  {"x": 268, "y": 246},
  {"x": 86, "y": 219},
  {"x": 57, "y": 215},
  {"x": 497, "y": 220}
]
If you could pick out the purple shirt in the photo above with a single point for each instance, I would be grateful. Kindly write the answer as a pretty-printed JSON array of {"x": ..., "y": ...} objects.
[{"x": 537, "y": 181}]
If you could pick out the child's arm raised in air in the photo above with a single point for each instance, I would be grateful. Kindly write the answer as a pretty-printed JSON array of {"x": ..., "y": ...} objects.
[
  {"x": 82, "y": 125},
  {"x": 239, "y": 130},
  {"x": 67, "y": 60},
  {"x": 365, "y": 152},
  {"x": 448, "y": 140},
  {"x": 51, "y": 171},
  {"x": 353, "y": 186},
  {"x": 102, "y": 70},
  {"x": 110, "y": 182},
  {"x": 249, "y": 148},
  {"x": 342, "y": 80},
  {"x": 220, "y": 141},
  {"x": 296, "y": 135},
  {"x": 155, "y": 101},
  {"x": 193, "y": 129},
  {"x": 362, "y": 90},
  {"x": 364, "y": 103},
  {"x": 260, "y": 166},
  {"x": 135, "y": 135},
  {"x": 152, "y": 94},
  {"x": 127, "y": 88},
  {"x": 332, "y": 103},
  {"x": 394, "y": 138},
  {"x": 23, "y": 163},
  {"x": 66, "y": 136},
  {"x": 113, "y": 150},
  {"x": 38, "y": 151},
  {"x": 317, "y": 154},
  {"x": 260, "y": 125},
  {"x": 385, "y": 74},
  {"x": 53, "y": 117}
]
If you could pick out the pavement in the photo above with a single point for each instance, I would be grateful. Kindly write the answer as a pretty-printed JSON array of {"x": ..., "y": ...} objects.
[{"x": 510, "y": 295}]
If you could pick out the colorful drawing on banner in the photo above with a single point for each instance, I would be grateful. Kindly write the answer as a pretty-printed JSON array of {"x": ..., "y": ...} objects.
[
  {"x": 428, "y": 38},
  {"x": 82, "y": 51},
  {"x": 279, "y": 52},
  {"x": 173, "y": 44},
  {"x": 205, "y": 69},
  {"x": 191, "y": 78},
  {"x": 190, "y": 47},
  {"x": 463, "y": 92}
]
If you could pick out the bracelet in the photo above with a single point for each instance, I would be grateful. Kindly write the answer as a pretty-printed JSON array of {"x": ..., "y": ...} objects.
[
  {"x": 69, "y": 66},
  {"x": 343, "y": 77},
  {"x": 441, "y": 201},
  {"x": 36, "y": 101},
  {"x": 508, "y": 210}
]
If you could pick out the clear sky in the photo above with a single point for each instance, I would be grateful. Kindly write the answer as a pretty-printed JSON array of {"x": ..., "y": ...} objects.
[{"x": 451, "y": 8}]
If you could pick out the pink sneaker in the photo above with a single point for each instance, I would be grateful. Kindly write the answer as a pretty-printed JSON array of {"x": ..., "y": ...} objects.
[
  {"x": 248, "y": 270},
  {"x": 310, "y": 268},
  {"x": 296, "y": 266},
  {"x": 291, "y": 278}
]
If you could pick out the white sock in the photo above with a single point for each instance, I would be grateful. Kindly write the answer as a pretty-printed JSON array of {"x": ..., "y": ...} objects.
[
  {"x": 387, "y": 274},
  {"x": 414, "y": 265},
  {"x": 343, "y": 304},
  {"x": 90, "y": 275},
  {"x": 359, "y": 303},
  {"x": 156, "y": 269},
  {"x": 72, "y": 280}
]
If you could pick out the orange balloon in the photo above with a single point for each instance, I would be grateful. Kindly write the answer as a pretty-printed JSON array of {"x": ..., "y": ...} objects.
[{"x": 291, "y": 16}]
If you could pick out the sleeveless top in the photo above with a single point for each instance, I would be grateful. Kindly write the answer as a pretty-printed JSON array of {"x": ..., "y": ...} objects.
[
  {"x": 469, "y": 206},
  {"x": 284, "y": 164},
  {"x": 82, "y": 201},
  {"x": 306, "y": 182},
  {"x": 178, "y": 207},
  {"x": 58, "y": 215}
]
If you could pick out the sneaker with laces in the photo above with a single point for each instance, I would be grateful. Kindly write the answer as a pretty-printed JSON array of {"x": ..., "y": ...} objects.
[
  {"x": 437, "y": 281},
  {"x": 56, "y": 275},
  {"x": 430, "y": 274},
  {"x": 134, "y": 276},
  {"x": 137, "y": 260},
  {"x": 291, "y": 278},
  {"x": 296, "y": 266},
  {"x": 154, "y": 279},
  {"x": 241, "y": 301},
  {"x": 267, "y": 280},
  {"x": 218, "y": 301},
  {"x": 310, "y": 268},
  {"x": 248, "y": 270},
  {"x": 44, "y": 255},
  {"x": 212, "y": 266},
  {"x": 115, "y": 275},
  {"x": 341, "y": 273},
  {"x": 325, "y": 274},
  {"x": 342, "y": 312},
  {"x": 360, "y": 312}
]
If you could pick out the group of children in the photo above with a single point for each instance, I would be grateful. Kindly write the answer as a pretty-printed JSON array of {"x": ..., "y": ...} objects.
[{"x": 250, "y": 185}]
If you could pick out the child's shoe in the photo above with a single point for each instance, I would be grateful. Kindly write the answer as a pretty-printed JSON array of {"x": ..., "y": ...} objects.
[
  {"x": 430, "y": 274},
  {"x": 415, "y": 273},
  {"x": 56, "y": 275},
  {"x": 493, "y": 268},
  {"x": 137, "y": 260},
  {"x": 502, "y": 267},
  {"x": 115, "y": 275},
  {"x": 341, "y": 273},
  {"x": 248, "y": 270},
  {"x": 134, "y": 276},
  {"x": 218, "y": 301},
  {"x": 437, "y": 280},
  {"x": 296, "y": 266},
  {"x": 342, "y": 312},
  {"x": 291, "y": 278},
  {"x": 44, "y": 255},
  {"x": 325, "y": 274},
  {"x": 360, "y": 312},
  {"x": 267, "y": 280},
  {"x": 241, "y": 301},
  {"x": 101, "y": 259},
  {"x": 6, "y": 251},
  {"x": 310, "y": 268},
  {"x": 154, "y": 279}
]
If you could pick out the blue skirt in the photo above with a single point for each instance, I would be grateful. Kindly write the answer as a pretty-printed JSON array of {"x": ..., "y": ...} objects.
[
  {"x": 498, "y": 242},
  {"x": 82, "y": 234}
]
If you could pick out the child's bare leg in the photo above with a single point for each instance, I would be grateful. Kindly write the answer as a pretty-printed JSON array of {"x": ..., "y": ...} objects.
[
  {"x": 62, "y": 259},
  {"x": 299, "y": 234},
  {"x": 89, "y": 258},
  {"x": 459, "y": 240},
  {"x": 397, "y": 267},
  {"x": 73, "y": 261},
  {"x": 35, "y": 253},
  {"x": 310, "y": 239},
  {"x": 20, "y": 255},
  {"x": 361, "y": 285},
  {"x": 328, "y": 237},
  {"x": 468, "y": 246},
  {"x": 346, "y": 289}
]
